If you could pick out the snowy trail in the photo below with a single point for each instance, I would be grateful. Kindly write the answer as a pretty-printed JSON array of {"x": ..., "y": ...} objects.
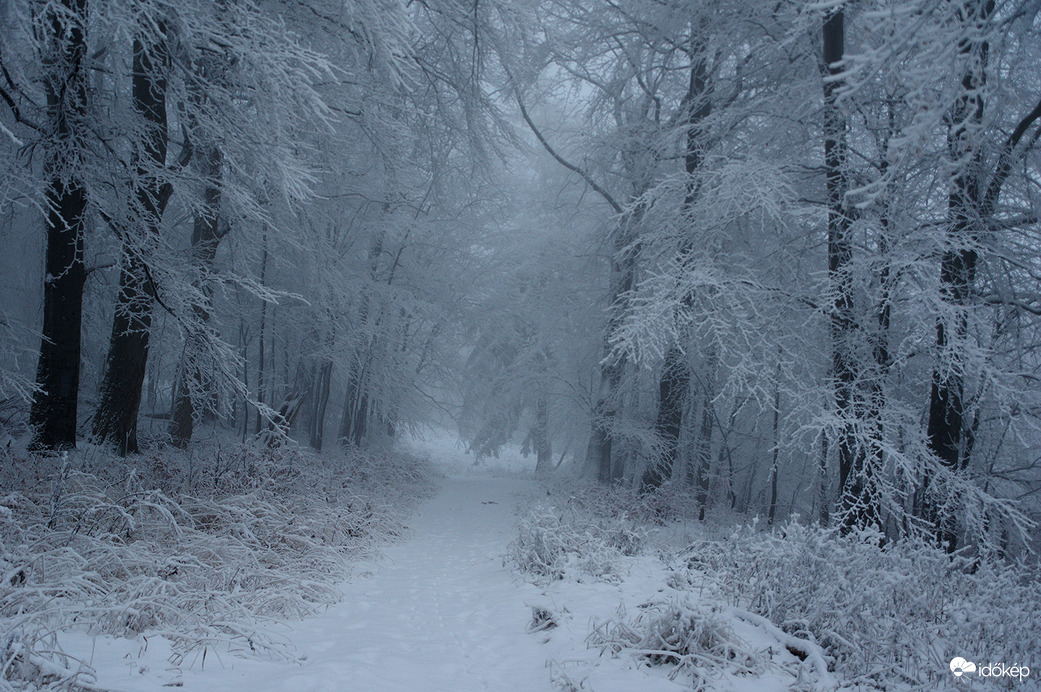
[
  {"x": 441, "y": 613},
  {"x": 438, "y": 612}
]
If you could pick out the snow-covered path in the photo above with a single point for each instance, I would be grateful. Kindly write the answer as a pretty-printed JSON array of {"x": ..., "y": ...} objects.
[
  {"x": 442, "y": 612},
  {"x": 439, "y": 612}
]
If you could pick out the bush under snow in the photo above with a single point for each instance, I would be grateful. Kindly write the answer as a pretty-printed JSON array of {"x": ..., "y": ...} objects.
[
  {"x": 853, "y": 612},
  {"x": 570, "y": 541},
  {"x": 892, "y": 616},
  {"x": 690, "y": 638}
]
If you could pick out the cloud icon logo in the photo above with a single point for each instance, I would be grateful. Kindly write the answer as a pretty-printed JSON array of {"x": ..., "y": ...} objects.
[{"x": 959, "y": 666}]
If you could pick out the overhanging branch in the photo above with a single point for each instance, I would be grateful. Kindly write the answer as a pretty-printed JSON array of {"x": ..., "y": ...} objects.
[{"x": 561, "y": 160}]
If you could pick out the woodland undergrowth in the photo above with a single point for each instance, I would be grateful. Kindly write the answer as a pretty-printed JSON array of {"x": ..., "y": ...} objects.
[
  {"x": 854, "y": 612},
  {"x": 207, "y": 547},
  {"x": 887, "y": 615}
]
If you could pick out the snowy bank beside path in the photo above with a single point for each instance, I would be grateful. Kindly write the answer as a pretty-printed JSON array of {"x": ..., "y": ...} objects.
[{"x": 123, "y": 572}]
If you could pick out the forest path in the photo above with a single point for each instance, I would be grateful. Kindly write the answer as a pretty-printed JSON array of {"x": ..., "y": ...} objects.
[{"x": 438, "y": 612}]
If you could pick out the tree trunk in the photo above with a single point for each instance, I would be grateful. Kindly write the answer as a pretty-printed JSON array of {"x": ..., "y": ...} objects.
[
  {"x": 115, "y": 421},
  {"x": 599, "y": 454},
  {"x": 244, "y": 345},
  {"x": 674, "y": 381},
  {"x": 949, "y": 436},
  {"x": 599, "y": 451},
  {"x": 355, "y": 409},
  {"x": 293, "y": 402},
  {"x": 875, "y": 384},
  {"x": 356, "y": 404},
  {"x": 543, "y": 444},
  {"x": 193, "y": 386},
  {"x": 703, "y": 441},
  {"x": 859, "y": 505},
  {"x": 260, "y": 345},
  {"x": 823, "y": 501},
  {"x": 320, "y": 403},
  {"x": 672, "y": 398},
  {"x": 54, "y": 409},
  {"x": 776, "y": 452}
]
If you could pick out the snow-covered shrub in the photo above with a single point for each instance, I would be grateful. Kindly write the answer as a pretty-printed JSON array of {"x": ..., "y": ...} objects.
[
  {"x": 896, "y": 613},
  {"x": 654, "y": 508},
  {"x": 33, "y": 660},
  {"x": 204, "y": 551},
  {"x": 689, "y": 638},
  {"x": 554, "y": 543}
]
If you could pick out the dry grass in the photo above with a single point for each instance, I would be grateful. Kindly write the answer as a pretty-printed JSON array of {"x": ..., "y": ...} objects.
[{"x": 205, "y": 549}]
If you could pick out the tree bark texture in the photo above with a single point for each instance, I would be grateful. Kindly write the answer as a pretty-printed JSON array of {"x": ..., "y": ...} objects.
[
  {"x": 54, "y": 410},
  {"x": 858, "y": 503},
  {"x": 193, "y": 389},
  {"x": 115, "y": 420}
]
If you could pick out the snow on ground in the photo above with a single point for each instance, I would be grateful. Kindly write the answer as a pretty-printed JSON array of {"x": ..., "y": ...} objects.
[{"x": 440, "y": 611}]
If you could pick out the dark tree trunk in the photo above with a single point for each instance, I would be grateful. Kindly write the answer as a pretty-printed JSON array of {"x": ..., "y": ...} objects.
[
  {"x": 859, "y": 505},
  {"x": 949, "y": 436},
  {"x": 261, "y": 372},
  {"x": 353, "y": 423},
  {"x": 115, "y": 421},
  {"x": 244, "y": 345},
  {"x": 701, "y": 463},
  {"x": 674, "y": 381},
  {"x": 319, "y": 403},
  {"x": 543, "y": 444},
  {"x": 354, "y": 418},
  {"x": 775, "y": 461},
  {"x": 881, "y": 358},
  {"x": 724, "y": 459},
  {"x": 823, "y": 501},
  {"x": 54, "y": 409},
  {"x": 357, "y": 408},
  {"x": 672, "y": 398},
  {"x": 600, "y": 453},
  {"x": 958, "y": 265},
  {"x": 193, "y": 384}
]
